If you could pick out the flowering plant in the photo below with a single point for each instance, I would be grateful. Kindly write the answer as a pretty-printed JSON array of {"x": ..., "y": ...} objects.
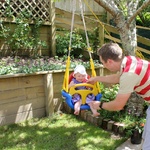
[{"x": 137, "y": 125}]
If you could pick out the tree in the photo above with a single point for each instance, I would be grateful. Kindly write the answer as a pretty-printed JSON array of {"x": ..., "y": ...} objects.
[
  {"x": 124, "y": 13},
  {"x": 143, "y": 17}
]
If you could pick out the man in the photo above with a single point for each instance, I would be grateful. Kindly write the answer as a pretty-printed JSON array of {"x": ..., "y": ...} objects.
[{"x": 133, "y": 75}]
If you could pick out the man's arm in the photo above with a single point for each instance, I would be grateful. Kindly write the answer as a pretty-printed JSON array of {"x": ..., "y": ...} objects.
[
  {"x": 112, "y": 79},
  {"x": 117, "y": 104}
]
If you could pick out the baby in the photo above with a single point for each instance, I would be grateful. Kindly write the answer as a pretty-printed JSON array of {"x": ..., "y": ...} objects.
[{"x": 80, "y": 76}]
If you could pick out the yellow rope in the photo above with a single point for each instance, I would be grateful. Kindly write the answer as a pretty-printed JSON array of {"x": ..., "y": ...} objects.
[
  {"x": 137, "y": 52},
  {"x": 103, "y": 26}
]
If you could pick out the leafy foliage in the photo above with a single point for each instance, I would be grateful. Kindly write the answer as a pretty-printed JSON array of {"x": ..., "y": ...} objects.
[
  {"x": 135, "y": 123},
  {"x": 62, "y": 44},
  {"x": 24, "y": 36},
  {"x": 109, "y": 93},
  {"x": 132, "y": 120},
  {"x": 14, "y": 65},
  {"x": 143, "y": 18},
  {"x": 78, "y": 42}
]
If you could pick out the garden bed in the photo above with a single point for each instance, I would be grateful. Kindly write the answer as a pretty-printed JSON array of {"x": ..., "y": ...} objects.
[{"x": 28, "y": 95}]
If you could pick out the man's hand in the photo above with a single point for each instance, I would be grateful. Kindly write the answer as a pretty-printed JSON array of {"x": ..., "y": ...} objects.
[
  {"x": 95, "y": 105},
  {"x": 92, "y": 80}
]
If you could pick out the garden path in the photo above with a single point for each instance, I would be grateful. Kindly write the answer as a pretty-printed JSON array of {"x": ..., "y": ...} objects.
[{"x": 127, "y": 145}]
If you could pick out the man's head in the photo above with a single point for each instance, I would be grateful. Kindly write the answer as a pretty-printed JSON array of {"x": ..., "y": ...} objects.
[{"x": 111, "y": 56}]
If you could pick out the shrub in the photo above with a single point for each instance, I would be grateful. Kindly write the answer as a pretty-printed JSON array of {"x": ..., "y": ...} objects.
[
  {"x": 78, "y": 42},
  {"x": 24, "y": 36}
]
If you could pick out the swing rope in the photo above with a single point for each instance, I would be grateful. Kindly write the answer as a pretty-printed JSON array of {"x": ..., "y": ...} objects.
[
  {"x": 66, "y": 77},
  {"x": 85, "y": 30},
  {"x": 88, "y": 46},
  {"x": 72, "y": 23}
]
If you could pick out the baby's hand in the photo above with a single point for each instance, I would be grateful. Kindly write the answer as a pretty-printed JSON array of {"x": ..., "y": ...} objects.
[
  {"x": 71, "y": 84},
  {"x": 88, "y": 88}
]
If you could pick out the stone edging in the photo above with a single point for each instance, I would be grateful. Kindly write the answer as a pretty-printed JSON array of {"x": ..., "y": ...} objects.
[{"x": 106, "y": 124}]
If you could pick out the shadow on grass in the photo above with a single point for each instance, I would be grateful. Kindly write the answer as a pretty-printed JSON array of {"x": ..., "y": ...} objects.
[{"x": 60, "y": 132}]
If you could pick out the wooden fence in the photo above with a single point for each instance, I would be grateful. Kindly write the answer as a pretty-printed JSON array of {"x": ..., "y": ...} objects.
[
  {"x": 63, "y": 19},
  {"x": 69, "y": 5},
  {"x": 39, "y": 10}
]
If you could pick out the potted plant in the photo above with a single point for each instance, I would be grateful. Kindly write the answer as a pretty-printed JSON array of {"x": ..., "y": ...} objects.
[{"x": 136, "y": 129}]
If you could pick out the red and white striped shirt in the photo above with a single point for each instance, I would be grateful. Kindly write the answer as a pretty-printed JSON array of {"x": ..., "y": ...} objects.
[{"x": 135, "y": 76}]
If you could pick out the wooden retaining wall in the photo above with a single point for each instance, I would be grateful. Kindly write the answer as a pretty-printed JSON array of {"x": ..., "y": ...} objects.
[
  {"x": 25, "y": 97},
  {"x": 36, "y": 95}
]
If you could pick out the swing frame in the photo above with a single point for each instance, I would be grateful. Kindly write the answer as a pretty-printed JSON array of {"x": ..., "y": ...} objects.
[{"x": 95, "y": 88}]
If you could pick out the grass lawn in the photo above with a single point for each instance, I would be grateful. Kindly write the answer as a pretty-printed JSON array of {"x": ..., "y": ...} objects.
[{"x": 60, "y": 132}]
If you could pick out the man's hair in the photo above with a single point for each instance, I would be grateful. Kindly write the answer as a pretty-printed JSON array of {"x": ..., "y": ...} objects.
[{"x": 110, "y": 51}]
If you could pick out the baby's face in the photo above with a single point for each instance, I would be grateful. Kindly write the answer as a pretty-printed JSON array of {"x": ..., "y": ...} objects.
[{"x": 79, "y": 77}]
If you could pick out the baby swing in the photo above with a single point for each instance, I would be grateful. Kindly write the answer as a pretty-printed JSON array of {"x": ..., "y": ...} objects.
[{"x": 92, "y": 89}]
